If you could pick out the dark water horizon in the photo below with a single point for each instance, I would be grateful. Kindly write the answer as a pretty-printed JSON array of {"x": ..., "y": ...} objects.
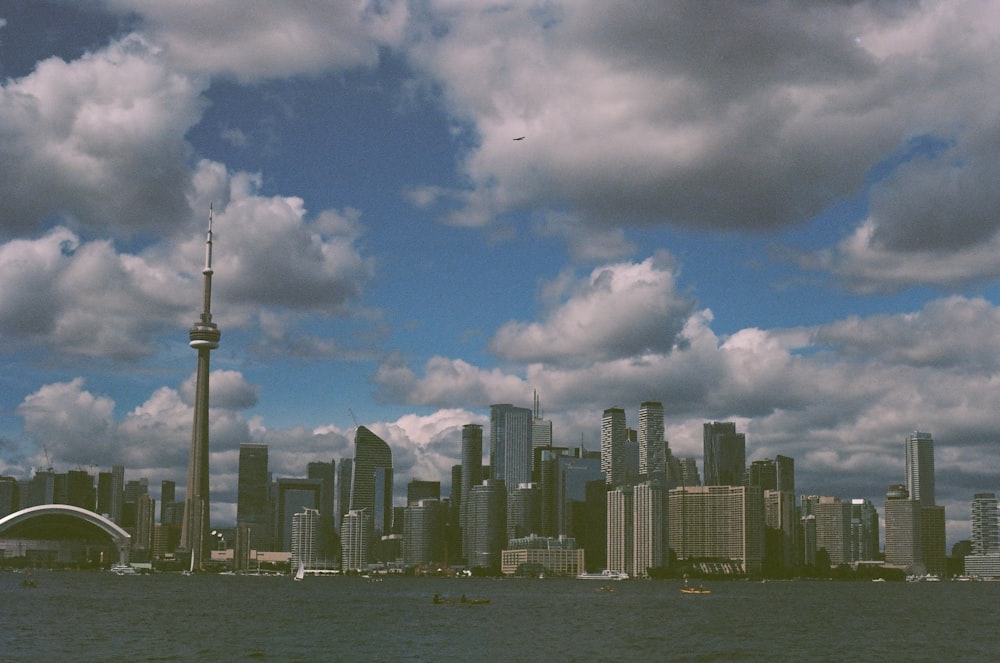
[{"x": 95, "y": 616}]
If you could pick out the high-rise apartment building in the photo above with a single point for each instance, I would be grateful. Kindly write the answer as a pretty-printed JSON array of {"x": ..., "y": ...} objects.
[
  {"x": 985, "y": 530},
  {"x": 833, "y": 529},
  {"x": 902, "y": 528},
  {"x": 725, "y": 453},
  {"x": 716, "y": 522},
  {"x": 620, "y": 539},
  {"x": 613, "y": 439},
  {"x": 920, "y": 467},
  {"x": 305, "y": 538},
  {"x": 649, "y": 527},
  {"x": 355, "y": 535},
  {"x": 510, "y": 444},
  {"x": 487, "y": 523},
  {"x": 423, "y": 533},
  {"x": 652, "y": 443}
]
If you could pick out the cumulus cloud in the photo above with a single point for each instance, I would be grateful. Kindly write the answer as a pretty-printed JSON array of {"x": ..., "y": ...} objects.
[
  {"x": 98, "y": 141},
  {"x": 256, "y": 39},
  {"x": 622, "y": 310}
]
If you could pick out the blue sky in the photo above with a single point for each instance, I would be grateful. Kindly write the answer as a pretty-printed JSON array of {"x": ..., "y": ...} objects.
[{"x": 782, "y": 214}]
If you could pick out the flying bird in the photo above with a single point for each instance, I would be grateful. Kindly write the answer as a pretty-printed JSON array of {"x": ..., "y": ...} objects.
[{"x": 519, "y": 138}]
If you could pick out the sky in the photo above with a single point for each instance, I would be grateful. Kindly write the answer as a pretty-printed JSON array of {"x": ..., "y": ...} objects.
[{"x": 777, "y": 213}]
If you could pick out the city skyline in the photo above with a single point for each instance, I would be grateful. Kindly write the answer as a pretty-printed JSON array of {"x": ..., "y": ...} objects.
[{"x": 784, "y": 219}]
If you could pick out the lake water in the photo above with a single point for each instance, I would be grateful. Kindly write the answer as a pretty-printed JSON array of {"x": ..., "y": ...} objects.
[{"x": 90, "y": 616}]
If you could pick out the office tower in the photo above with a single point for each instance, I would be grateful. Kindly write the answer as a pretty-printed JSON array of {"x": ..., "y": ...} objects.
[
  {"x": 291, "y": 496},
  {"x": 472, "y": 475},
  {"x": 80, "y": 489},
  {"x": 424, "y": 532},
  {"x": 864, "y": 530},
  {"x": 652, "y": 443},
  {"x": 204, "y": 337},
  {"x": 620, "y": 535},
  {"x": 985, "y": 530},
  {"x": 168, "y": 493},
  {"x": 305, "y": 538},
  {"x": 142, "y": 541},
  {"x": 327, "y": 536},
  {"x": 453, "y": 532},
  {"x": 345, "y": 474},
  {"x": 781, "y": 519},
  {"x": 117, "y": 492},
  {"x": 104, "y": 481},
  {"x": 487, "y": 522},
  {"x": 510, "y": 444},
  {"x": 541, "y": 431},
  {"x": 524, "y": 511},
  {"x": 920, "y": 467},
  {"x": 725, "y": 453},
  {"x": 688, "y": 472},
  {"x": 355, "y": 534},
  {"x": 613, "y": 438},
  {"x": 370, "y": 454},
  {"x": 383, "y": 510},
  {"x": 833, "y": 529},
  {"x": 8, "y": 496},
  {"x": 902, "y": 528},
  {"x": 418, "y": 490},
  {"x": 785, "y": 473},
  {"x": 715, "y": 522},
  {"x": 649, "y": 527},
  {"x": 933, "y": 542},
  {"x": 252, "y": 496},
  {"x": 808, "y": 544}
]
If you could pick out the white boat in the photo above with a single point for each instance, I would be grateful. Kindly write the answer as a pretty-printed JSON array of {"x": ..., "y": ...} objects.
[
  {"x": 123, "y": 570},
  {"x": 301, "y": 572},
  {"x": 606, "y": 574}
]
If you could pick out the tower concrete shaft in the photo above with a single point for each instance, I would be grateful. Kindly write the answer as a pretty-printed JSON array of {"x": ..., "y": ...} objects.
[{"x": 204, "y": 337}]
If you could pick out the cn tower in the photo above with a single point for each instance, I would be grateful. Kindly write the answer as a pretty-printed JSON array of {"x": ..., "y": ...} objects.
[{"x": 204, "y": 337}]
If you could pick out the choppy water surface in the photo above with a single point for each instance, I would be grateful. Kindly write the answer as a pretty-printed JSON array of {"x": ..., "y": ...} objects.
[{"x": 90, "y": 616}]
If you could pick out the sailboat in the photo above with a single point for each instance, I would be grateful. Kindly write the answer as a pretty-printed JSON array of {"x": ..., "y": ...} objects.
[{"x": 301, "y": 573}]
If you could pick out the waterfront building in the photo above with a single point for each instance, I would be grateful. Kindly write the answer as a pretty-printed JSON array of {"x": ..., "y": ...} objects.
[
  {"x": 864, "y": 531},
  {"x": 613, "y": 439},
  {"x": 781, "y": 519},
  {"x": 724, "y": 454},
  {"x": 472, "y": 475},
  {"x": 902, "y": 530},
  {"x": 204, "y": 337},
  {"x": 542, "y": 555},
  {"x": 487, "y": 522},
  {"x": 933, "y": 540},
  {"x": 253, "y": 504},
  {"x": 524, "y": 511},
  {"x": 652, "y": 443},
  {"x": 714, "y": 522},
  {"x": 305, "y": 538},
  {"x": 920, "y": 467},
  {"x": 355, "y": 536},
  {"x": 325, "y": 473},
  {"x": 424, "y": 533},
  {"x": 291, "y": 497},
  {"x": 371, "y": 454},
  {"x": 510, "y": 445},
  {"x": 985, "y": 531},
  {"x": 650, "y": 549},
  {"x": 621, "y": 533},
  {"x": 833, "y": 529}
]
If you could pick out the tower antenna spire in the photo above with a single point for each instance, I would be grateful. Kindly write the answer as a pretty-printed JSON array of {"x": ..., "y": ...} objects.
[{"x": 204, "y": 337}]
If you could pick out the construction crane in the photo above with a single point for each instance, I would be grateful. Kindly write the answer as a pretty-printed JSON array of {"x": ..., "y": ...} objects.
[{"x": 355, "y": 419}]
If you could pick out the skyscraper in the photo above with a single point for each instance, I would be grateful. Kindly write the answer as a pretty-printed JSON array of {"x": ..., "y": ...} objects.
[
  {"x": 920, "y": 467},
  {"x": 510, "y": 444},
  {"x": 649, "y": 527},
  {"x": 305, "y": 538},
  {"x": 652, "y": 444},
  {"x": 371, "y": 453},
  {"x": 487, "y": 522},
  {"x": 204, "y": 337},
  {"x": 985, "y": 531},
  {"x": 902, "y": 528},
  {"x": 725, "y": 454},
  {"x": 613, "y": 438},
  {"x": 472, "y": 475},
  {"x": 252, "y": 496}
]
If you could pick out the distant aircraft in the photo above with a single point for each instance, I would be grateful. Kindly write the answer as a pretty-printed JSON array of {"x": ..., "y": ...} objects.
[{"x": 519, "y": 138}]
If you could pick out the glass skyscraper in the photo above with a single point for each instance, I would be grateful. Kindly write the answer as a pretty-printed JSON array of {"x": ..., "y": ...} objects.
[{"x": 725, "y": 454}]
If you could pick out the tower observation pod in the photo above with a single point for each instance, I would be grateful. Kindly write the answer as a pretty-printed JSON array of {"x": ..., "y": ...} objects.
[{"x": 204, "y": 337}]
